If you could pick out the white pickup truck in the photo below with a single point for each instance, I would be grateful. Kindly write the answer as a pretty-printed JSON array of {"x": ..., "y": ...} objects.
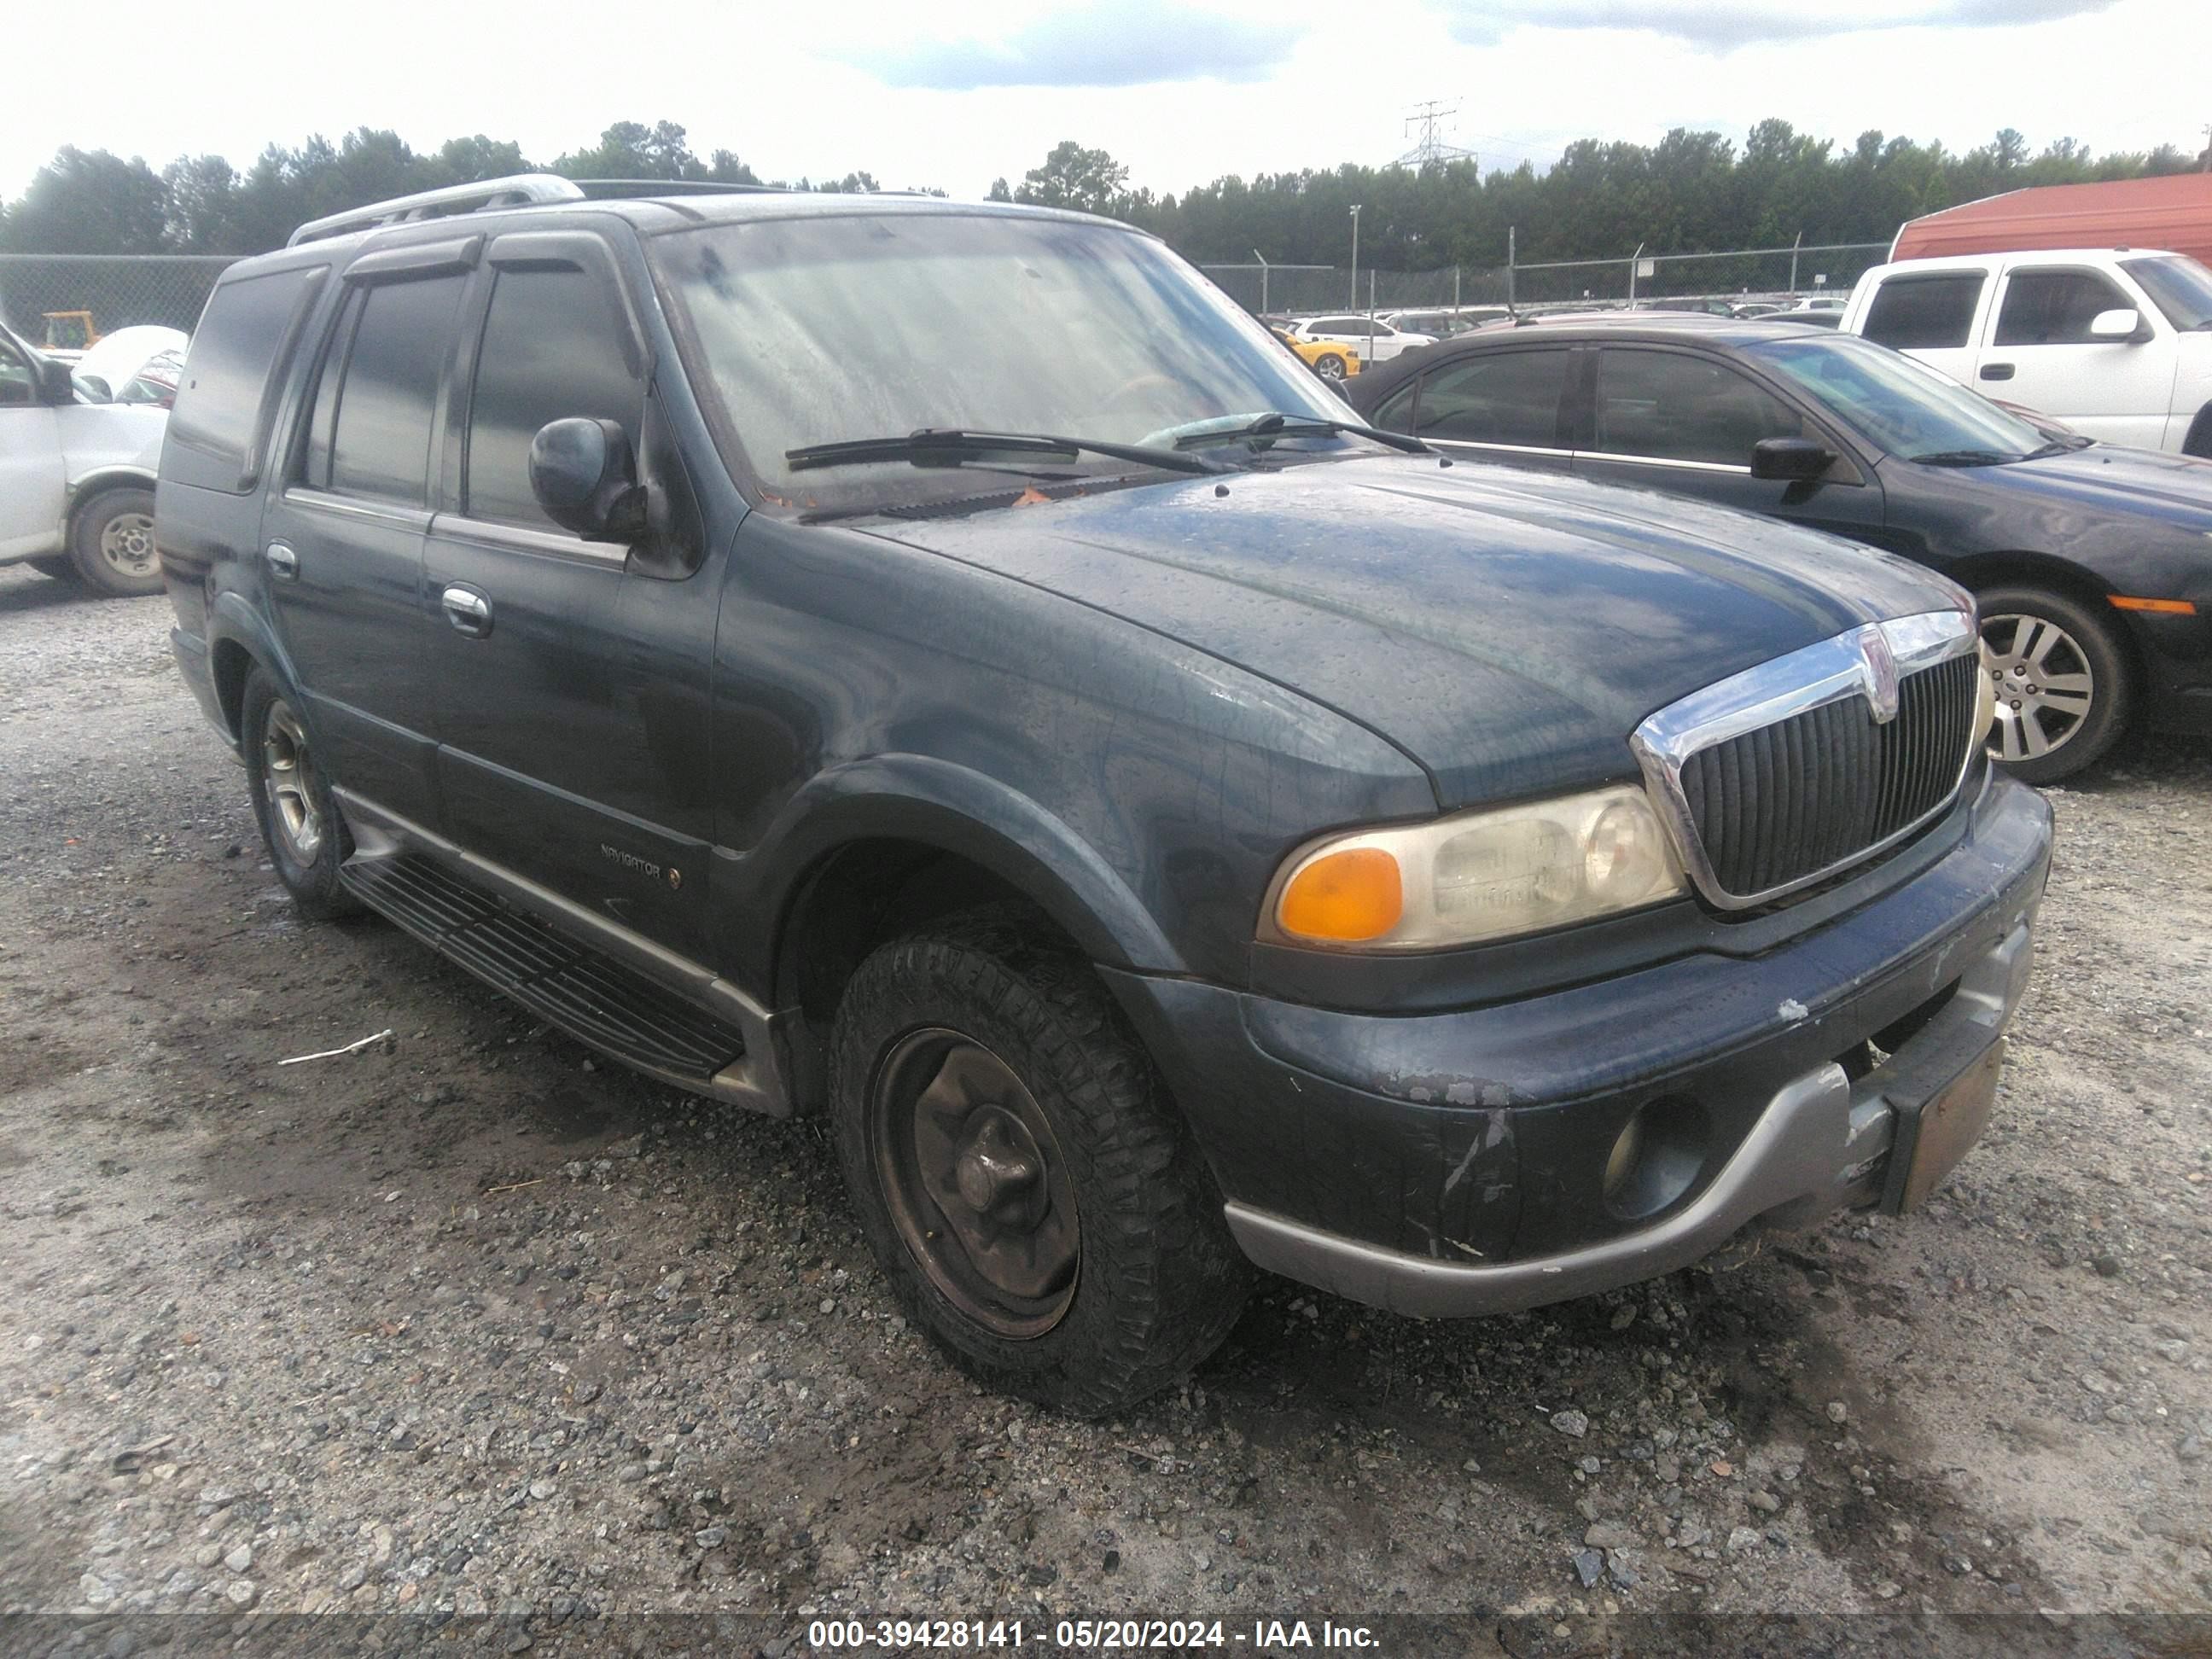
[
  {"x": 76, "y": 476},
  {"x": 2117, "y": 343}
]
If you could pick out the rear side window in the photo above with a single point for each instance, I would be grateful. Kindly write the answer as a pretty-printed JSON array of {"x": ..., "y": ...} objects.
[
  {"x": 1924, "y": 314},
  {"x": 1502, "y": 398},
  {"x": 2054, "y": 307},
  {"x": 224, "y": 396},
  {"x": 552, "y": 349},
  {"x": 380, "y": 432}
]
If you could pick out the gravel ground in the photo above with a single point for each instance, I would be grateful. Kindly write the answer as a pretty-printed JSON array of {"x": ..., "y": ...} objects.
[{"x": 468, "y": 1323}]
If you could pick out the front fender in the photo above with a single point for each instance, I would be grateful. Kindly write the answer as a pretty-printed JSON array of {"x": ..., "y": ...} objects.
[{"x": 922, "y": 800}]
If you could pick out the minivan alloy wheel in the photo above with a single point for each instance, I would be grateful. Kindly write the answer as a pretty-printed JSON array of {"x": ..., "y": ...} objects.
[
  {"x": 287, "y": 772},
  {"x": 976, "y": 1182},
  {"x": 2044, "y": 684}
]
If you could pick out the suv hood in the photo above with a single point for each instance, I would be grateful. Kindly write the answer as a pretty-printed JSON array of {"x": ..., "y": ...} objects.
[{"x": 1507, "y": 630}]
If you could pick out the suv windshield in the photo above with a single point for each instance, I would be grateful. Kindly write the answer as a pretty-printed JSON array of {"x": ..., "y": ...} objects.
[
  {"x": 2180, "y": 287},
  {"x": 1899, "y": 405},
  {"x": 825, "y": 330}
]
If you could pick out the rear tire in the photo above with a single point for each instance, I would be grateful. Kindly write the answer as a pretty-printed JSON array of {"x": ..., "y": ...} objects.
[
  {"x": 1025, "y": 1182},
  {"x": 2064, "y": 687},
  {"x": 112, "y": 544},
  {"x": 306, "y": 838}
]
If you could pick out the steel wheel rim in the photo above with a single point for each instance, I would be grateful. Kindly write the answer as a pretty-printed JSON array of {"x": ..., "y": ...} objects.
[
  {"x": 287, "y": 773},
  {"x": 2043, "y": 683},
  {"x": 975, "y": 1182},
  {"x": 126, "y": 542}
]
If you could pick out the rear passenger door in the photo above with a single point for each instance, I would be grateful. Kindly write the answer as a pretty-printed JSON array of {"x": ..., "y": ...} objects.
[
  {"x": 1685, "y": 422},
  {"x": 571, "y": 688},
  {"x": 1931, "y": 315},
  {"x": 1509, "y": 406},
  {"x": 341, "y": 541},
  {"x": 2041, "y": 354}
]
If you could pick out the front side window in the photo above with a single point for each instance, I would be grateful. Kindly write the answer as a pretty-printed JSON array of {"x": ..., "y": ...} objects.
[
  {"x": 1924, "y": 314},
  {"x": 2179, "y": 287},
  {"x": 816, "y": 330},
  {"x": 552, "y": 349},
  {"x": 380, "y": 433},
  {"x": 1669, "y": 406},
  {"x": 1509, "y": 397},
  {"x": 2053, "y": 307},
  {"x": 1901, "y": 407},
  {"x": 19, "y": 384}
]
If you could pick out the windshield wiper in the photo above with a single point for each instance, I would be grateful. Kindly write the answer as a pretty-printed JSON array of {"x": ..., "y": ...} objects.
[
  {"x": 1287, "y": 426},
  {"x": 953, "y": 445},
  {"x": 1965, "y": 458},
  {"x": 2058, "y": 447}
]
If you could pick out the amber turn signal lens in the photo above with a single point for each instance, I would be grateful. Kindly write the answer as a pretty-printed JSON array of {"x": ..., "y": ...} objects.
[
  {"x": 1351, "y": 895},
  {"x": 2156, "y": 607}
]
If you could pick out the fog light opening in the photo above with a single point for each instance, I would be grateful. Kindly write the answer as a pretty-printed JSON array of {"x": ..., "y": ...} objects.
[{"x": 1655, "y": 1158}]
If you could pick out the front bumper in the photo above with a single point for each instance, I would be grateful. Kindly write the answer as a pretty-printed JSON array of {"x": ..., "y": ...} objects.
[{"x": 1454, "y": 1164}]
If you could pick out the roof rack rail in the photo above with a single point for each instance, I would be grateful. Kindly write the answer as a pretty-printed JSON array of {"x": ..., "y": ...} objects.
[
  {"x": 518, "y": 190},
  {"x": 618, "y": 188}
]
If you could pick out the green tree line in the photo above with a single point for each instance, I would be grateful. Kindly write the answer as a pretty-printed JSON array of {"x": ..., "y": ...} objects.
[{"x": 1692, "y": 192}]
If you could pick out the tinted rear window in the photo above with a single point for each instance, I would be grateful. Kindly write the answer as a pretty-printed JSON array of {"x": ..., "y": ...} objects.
[
  {"x": 221, "y": 403},
  {"x": 381, "y": 442},
  {"x": 1924, "y": 314}
]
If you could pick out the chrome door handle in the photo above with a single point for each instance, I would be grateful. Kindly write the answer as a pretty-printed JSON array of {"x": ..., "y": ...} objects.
[
  {"x": 468, "y": 611},
  {"x": 283, "y": 563}
]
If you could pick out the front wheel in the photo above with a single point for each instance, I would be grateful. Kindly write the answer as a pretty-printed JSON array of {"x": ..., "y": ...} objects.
[
  {"x": 1330, "y": 368},
  {"x": 1028, "y": 1188},
  {"x": 307, "y": 839},
  {"x": 112, "y": 544},
  {"x": 2061, "y": 680}
]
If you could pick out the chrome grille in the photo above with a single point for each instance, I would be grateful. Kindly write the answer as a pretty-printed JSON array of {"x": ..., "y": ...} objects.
[{"x": 1804, "y": 765}]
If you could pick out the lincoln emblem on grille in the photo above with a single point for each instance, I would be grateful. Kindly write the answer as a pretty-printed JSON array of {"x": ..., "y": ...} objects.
[
  {"x": 1882, "y": 674},
  {"x": 1796, "y": 770}
]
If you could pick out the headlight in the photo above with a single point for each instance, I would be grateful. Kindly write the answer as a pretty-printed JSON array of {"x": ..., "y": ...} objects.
[{"x": 1477, "y": 875}]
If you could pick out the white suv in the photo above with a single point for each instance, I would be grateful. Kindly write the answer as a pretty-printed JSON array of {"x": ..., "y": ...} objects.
[
  {"x": 2115, "y": 341},
  {"x": 1376, "y": 340},
  {"x": 76, "y": 477}
]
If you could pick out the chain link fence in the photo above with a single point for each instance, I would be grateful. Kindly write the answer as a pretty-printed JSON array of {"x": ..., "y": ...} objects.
[
  {"x": 1768, "y": 274},
  {"x": 1339, "y": 288},
  {"x": 67, "y": 300}
]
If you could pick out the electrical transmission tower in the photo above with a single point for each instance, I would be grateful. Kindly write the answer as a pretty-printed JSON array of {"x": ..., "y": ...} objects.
[{"x": 1427, "y": 120}]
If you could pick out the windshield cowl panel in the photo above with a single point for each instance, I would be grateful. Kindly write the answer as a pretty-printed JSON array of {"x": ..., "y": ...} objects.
[{"x": 819, "y": 332}]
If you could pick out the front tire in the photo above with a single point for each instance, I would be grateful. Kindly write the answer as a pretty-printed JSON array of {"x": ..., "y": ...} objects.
[
  {"x": 112, "y": 544},
  {"x": 2063, "y": 687},
  {"x": 1330, "y": 368},
  {"x": 308, "y": 840},
  {"x": 1019, "y": 1173}
]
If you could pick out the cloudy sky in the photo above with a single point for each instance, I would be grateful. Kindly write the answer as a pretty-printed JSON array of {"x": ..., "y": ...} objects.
[{"x": 1182, "y": 93}]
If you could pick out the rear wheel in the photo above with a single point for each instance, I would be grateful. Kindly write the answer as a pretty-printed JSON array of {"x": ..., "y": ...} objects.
[
  {"x": 1028, "y": 1188},
  {"x": 2061, "y": 680},
  {"x": 1329, "y": 367},
  {"x": 307, "y": 839},
  {"x": 112, "y": 542}
]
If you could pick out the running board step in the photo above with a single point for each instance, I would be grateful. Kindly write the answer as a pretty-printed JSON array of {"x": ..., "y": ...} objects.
[{"x": 587, "y": 995}]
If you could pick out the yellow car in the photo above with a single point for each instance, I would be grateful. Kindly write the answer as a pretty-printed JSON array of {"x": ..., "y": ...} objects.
[{"x": 1332, "y": 360}]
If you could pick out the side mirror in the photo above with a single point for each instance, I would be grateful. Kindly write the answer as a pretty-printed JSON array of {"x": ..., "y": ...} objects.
[
  {"x": 585, "y": 477},
  {"x": 2121, "y": 324},
  {"x": 1792, "y": 460},
  {"x": 95, "y": 387},
  {"x": 55, "y": 384}
]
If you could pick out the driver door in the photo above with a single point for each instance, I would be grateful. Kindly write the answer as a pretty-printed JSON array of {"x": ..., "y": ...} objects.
[{"x": 32, "y": 493}]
